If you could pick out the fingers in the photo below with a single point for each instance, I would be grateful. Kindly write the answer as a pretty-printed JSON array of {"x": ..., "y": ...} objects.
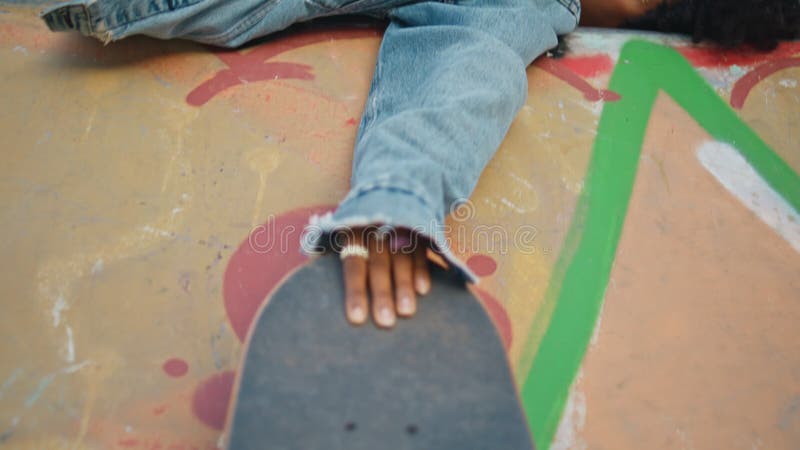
[
  {"x": 422, "y": 276},
  {"x": 393, "y": 277},
  {"x": 380, "y": 281},
  {"x": 403, "y": 270},
  {"x": 355, "y": 283}
]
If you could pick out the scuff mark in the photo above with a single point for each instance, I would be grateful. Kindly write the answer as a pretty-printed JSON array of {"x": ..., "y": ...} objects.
[
  {"x": 790, "y": 414},
  {"x": 70, "y": 347},
  {"x": 514, "y": 207},
  {"x": 59, "y": 306},
  {"x": 162, "y": 81},
  {"x": 43, "y": 383},
  {"x": 76, "y": 367},
  {"x": 152, "y": 230},
  {"x": 5, "y": 435},
  {"x": 45, "y": 138},
  {"x": 89, "y": 124},
  {"x": 10, "y": 380},
  {"x": 263, "y": 161},
  {"x": 97, "y": 267},
  {"x": 48, "y": 379}
]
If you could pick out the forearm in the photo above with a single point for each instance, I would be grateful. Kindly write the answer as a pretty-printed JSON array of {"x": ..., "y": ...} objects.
[{"x": 449, "y": 81}]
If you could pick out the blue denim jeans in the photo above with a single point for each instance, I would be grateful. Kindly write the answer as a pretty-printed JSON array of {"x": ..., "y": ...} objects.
[{"x": 449, "y": 80}]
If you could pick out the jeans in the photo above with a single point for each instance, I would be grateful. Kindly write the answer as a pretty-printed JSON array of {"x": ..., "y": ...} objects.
[{"x": 450, "y": 78}]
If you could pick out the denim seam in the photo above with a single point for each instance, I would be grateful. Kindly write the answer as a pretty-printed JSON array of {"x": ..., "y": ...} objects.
[
  {"x": 244, "y": 26},
  {"x": 68, "y": 11},
  {"x": 89, "y": 22},
  {"x": 383, "y": 186},
  {"x": 357, "y": 5},
  {"x": 350, "y": 7},
  {"x": 573, "y": 6},
  {"x": 247, "y": 24},
  {"x": 370, "y": 111},
  {"x": 117, "y": 27}
]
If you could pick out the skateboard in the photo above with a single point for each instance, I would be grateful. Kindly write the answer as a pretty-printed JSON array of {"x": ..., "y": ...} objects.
[{"x": 437, "y": 381}]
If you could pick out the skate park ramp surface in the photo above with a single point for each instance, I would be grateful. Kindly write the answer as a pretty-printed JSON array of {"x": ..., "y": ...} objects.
[{"x": 637, "y": 234}]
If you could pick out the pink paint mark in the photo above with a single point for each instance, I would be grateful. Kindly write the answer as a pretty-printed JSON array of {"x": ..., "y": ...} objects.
[
  {"x": 251, "y": 66},
  {"x": 159, "y": 410},
  {"x": 745, "y": 84},
  {"x": 351, "y": 121},
  {"x": 715, "y": 57},
  {"x": 588, "y": 66},
  {"x": 482, "y": 265},
  {"x": 499, "y": 316},
  {"x": 175, "y": 367},
  {"x": 127, "y": 443},
  {"x": 211, "y": 398},
  {"x": 260, "y": 263},
  {"x": 230, "y": 77},
  {"x": 564, "y": 73}
]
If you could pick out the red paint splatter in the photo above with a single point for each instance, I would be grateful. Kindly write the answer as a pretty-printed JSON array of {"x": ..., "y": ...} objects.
[
  {"x": 499, "y": 316},
  {"x": 159, "y": 410},
  {"x": 746, "y": 83},
  {"x": 260, "y": 263},
  {"x": 211, "y": 398},
  {"x": 175, "y": 367},
  {"x": 234, "y": 77},
  {"x": 250, "y": 66},
  {"x": 351, "y": 121},
  {"x": 715, "y": 57},
  {"x": 564, "y": 73},
  {"x": 482, "y": 265},
  {"x": 128, "y": 442},
  {"x": 588, "y": 66}
]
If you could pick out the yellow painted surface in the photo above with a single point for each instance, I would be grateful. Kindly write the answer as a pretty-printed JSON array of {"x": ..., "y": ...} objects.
[{"x": 123, "y": 204}]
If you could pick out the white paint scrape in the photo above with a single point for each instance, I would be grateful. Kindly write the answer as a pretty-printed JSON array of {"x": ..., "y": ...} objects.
[
  {"x": 740, "y": 178},
  {"x": 59, "y": 306},
  {"x": 572, "y": 421}
]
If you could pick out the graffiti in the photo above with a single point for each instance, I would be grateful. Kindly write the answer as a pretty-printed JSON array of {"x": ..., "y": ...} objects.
[
  {"x": 158, "y": 372},
  {"x": 582, "y": 272},
  {"x": 253, "y": 65},
  {"x": 746, "y": 84},
  {"x": 564, "y": 73}
]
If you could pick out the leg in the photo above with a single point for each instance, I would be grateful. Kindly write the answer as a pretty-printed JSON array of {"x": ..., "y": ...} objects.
[{"x": 450, "y": 79}]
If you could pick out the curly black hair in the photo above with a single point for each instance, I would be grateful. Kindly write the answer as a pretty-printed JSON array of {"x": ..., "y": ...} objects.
[{"x": 728, "y": 23}]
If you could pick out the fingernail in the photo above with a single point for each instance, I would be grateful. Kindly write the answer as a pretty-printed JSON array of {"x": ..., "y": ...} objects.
[
  {"x": 386, "y": 317},
  {"x": 423, "y": 285},
  {"x": 357, "y": 314},
  {"x": 404, "y": 305}
]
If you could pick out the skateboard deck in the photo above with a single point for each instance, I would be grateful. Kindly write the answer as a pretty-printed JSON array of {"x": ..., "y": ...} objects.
[{"x": 311, "y": 381}]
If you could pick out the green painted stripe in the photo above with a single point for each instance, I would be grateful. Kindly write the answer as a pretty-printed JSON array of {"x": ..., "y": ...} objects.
[{"x": 581, "y": 275}]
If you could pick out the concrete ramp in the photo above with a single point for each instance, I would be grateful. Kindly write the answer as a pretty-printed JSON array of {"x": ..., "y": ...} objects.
[{"x": 637, "y": 234}]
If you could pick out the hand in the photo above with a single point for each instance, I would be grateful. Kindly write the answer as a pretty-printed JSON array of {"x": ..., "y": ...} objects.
[{"x": 393, "y": 276}]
